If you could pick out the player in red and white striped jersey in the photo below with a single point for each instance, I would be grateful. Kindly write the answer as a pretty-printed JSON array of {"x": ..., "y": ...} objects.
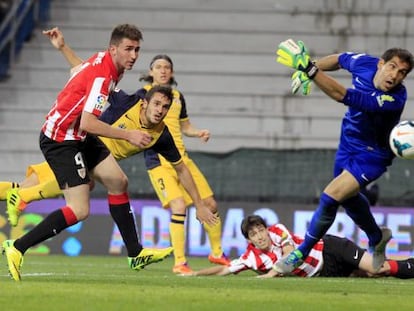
[
  {"x": 330, "y": 257},
  {"x": 73, "y": 151},
  {"x": 87, "y": 90},
  {"x": 267, "y": 246}
]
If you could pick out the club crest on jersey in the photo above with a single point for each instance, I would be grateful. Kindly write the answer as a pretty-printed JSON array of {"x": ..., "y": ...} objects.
[
  {"x": 82, "y": 172},
  {"x": 383, "y": 98}
]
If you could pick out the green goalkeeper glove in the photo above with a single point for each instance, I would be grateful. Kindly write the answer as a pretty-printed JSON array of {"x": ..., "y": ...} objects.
[
  {"x": 300, "y": 79},
  {"x": 296, "y": 56}
]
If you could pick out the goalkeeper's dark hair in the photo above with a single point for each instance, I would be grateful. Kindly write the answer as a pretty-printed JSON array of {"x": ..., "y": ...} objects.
[
  {"x": 150, "y": 79},
  {"x": 123, "y": 31},
  {"x": 250, "y": 222},
  {"x": 163, "y": 89},
  {"x": 403, "y": 54}
]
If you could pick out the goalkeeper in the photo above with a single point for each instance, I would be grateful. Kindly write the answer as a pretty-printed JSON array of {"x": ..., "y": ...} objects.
[{"x": 375, "y": 104}]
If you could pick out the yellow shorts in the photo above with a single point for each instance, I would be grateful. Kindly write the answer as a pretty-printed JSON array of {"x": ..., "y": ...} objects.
[
  {"x": 43, "y": 171},
  {"x": 166, "y": 184}
]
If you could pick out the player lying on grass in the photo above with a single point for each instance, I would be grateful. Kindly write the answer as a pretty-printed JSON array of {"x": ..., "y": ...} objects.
[{"x": 332, "y": 256}]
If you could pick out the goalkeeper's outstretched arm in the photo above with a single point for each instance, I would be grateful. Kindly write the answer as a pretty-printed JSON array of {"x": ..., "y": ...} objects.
[
  {"x": 330, "y": 86},
  {"x": 328, "y": 63}
]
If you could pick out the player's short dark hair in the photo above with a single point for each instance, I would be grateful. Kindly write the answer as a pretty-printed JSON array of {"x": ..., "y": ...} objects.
[
  {"x": 249, "y": 222},
  {"x": 164, "y": 90},
  {"x": 150, "y": 79},
  {"x": 123, "y": 31},
  {"x": 403, "y": 54}
]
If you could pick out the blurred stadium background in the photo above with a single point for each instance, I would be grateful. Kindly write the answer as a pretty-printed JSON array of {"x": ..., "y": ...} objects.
[{"x": 266, "y": 145}]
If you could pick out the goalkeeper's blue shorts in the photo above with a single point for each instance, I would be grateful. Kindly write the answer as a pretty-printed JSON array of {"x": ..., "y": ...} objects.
[{"x": 365, "y": 166}]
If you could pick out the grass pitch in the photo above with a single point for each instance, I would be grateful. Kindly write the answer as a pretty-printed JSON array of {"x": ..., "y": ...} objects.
[{"x": 106, "y": 283}]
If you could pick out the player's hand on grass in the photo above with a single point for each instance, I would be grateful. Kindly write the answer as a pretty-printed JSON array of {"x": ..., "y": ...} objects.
[
  {"x": 271, "y": 274},
  {"x": 301, "y": 80},
  {"x": 296, "y": 56}
]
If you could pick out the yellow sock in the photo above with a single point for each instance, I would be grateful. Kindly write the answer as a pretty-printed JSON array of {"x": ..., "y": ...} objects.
[
  {"x": 4, "y": 186},
  {"x": 214, "y": 236},
  {"x": 177, "y": 234},
  {"x": 46, "y": 190}
]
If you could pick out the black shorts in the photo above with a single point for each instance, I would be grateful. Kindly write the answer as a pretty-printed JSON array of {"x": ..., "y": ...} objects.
[
  {"x": 71, "y": 160},
  {"x": 341, "y": 256}
]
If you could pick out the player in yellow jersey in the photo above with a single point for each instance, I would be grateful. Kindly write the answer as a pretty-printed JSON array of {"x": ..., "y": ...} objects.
[
  {"x": 162, "y": 174},
  {"x": 163, "y": 178}
]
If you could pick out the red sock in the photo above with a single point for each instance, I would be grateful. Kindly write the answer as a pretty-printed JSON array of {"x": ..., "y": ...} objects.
[
  {"x": 393, "y": 267},
  {"x": 69, "y": 215}
]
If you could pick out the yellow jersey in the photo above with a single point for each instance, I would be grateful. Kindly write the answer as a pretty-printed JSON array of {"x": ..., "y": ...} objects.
[{"x": 124, "y": 113}]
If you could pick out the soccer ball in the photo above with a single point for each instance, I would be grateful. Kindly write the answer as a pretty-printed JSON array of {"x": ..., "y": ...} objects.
[{"x": 402, "y": 140}]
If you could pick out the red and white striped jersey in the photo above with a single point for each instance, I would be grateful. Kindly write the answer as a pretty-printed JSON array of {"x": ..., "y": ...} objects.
[
  {"x": 262, "y": 261},
  {"x": 87, "y": 90}
]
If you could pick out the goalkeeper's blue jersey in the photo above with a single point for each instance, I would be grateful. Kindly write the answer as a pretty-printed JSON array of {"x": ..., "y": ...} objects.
[{"x": 372, "y": 113}]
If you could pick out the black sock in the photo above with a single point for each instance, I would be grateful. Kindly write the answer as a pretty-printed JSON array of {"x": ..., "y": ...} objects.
[
  {"x": 52, "y": 225},
  {"x": 405, "y": 269},
  {"x": 124, "y": 219}
]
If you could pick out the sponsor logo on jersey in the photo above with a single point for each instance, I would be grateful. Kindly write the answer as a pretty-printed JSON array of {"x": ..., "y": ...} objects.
[
  {"x": 100, "y": 104},
  {"x": 358, "y": 81},
  {"x": 384, "y": 98}
]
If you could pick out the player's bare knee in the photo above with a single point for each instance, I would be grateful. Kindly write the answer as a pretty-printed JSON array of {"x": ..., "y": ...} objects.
[
  {"x": 178, "y": 206},
  {"x": 123, "y": 182},
  {"x": 118, "y": 184}
]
